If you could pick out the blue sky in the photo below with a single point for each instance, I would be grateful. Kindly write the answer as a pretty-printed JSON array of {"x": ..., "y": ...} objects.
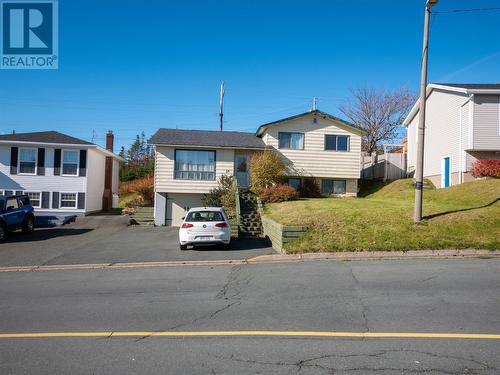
[{"x": 133, "y": 66}]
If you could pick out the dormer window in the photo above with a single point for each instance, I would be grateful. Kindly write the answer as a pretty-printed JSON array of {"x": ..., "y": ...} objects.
[{"x": 293, "y": 141}]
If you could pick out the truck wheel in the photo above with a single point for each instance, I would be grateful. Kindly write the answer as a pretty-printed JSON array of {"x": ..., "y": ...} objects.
[
  {"x": 183, "y": 247},
  {"x": 3, "y": 233},
  {"x": 29, "y": 225}
]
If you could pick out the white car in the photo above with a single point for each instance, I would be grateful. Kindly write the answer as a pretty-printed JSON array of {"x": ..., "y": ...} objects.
[{"x": 205, "y": 226}]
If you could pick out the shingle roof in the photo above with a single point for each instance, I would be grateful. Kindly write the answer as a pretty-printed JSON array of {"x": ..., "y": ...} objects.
[
  {"x": 261, "y": 128},
  {"x": 211, "y": 138},
  {"x": 44, "y": 137},
  {"x": 478, "y": 86}
]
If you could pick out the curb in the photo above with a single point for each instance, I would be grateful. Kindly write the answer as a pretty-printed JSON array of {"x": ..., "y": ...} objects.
[
  {"x": 379, "y": 255},
  {"x": 275, "y": 258}
]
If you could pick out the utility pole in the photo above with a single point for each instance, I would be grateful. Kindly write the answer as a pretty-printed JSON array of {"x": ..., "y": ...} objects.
[
  {"x": 221, "y": 104},
  {"x": 419, "y": 171}
]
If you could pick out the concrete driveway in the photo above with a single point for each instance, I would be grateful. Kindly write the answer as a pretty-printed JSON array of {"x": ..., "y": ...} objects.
[{"x": 108, "y": 239}]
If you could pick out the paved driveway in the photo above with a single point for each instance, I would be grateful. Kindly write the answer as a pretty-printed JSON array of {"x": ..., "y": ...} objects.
[{"x": 108, "y": 239}]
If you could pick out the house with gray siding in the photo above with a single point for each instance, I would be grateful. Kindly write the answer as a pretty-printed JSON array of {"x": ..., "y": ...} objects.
[
  {"x": 462, "y": 126},
  {"x": 314, "y": 144},
  {"x": 61, "y": 174}
]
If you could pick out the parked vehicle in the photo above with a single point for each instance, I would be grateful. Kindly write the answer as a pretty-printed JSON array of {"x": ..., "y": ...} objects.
[
  {"x": 205, "y": 226},
  {"x": 16, "y": 212}
]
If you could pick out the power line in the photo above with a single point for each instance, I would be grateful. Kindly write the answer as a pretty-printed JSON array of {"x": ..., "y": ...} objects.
[{"x": 466, "y": 10}]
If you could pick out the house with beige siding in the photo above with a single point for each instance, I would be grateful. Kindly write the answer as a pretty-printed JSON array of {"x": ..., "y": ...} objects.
[
  {"x": 61, "y": 174},
  {"x": 462, "y": 126},
  {"x": 314, "y": 144}
]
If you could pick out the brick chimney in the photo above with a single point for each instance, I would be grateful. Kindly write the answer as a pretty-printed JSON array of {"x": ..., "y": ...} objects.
[
  {"x": 109, "y": 140},
  {"x": 107, "y": 196}
]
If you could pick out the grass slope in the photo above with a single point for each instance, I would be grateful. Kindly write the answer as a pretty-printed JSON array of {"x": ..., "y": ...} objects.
[{"x": 463, "y": 216}]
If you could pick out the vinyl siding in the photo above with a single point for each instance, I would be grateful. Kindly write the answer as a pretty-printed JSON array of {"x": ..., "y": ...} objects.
[
  {"x": 164, "y": 171},
  {"x": 116, "y": 177},
  {"x": 49, "y": 182},
  {"x": 313, "y": 160},
  {"x": 486, "y": 122},
  {"x": 412, "y": 143},
  {"x": 442, "y": 132},
  {"x": 466, "y": 123},
  {"x": 96, "y": 163}
]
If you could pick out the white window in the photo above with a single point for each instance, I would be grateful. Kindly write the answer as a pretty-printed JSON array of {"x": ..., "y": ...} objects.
[
  {"x": 194, "y": 165},
  {"x": 35, "y": 198},
  {"x": 294, "y": 141},
  {"x": 67, "y": 200},
  {"x": 70, "y": 160},
  {"x": 27, "y": 160}
]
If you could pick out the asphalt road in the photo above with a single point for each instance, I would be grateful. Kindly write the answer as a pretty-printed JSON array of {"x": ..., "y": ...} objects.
[
  {"x": 427, "y": 296},
  {"x": 108, "y": 239}
]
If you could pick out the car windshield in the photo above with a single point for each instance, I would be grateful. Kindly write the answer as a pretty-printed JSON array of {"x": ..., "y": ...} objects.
[{"x": 197, "y": 216}]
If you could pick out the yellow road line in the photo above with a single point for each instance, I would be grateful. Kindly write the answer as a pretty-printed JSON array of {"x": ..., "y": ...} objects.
[{"x": 480, "y": 336}]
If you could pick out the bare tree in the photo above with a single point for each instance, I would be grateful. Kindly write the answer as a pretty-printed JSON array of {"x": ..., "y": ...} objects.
[{"x": 379, "y": 112}]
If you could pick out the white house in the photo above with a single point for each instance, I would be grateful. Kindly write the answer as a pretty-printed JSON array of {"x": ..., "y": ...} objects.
[
  {"x": 60, "y": 173},
  {"x": 462, "y": 125},
  {"x": 314, "y": 144}
]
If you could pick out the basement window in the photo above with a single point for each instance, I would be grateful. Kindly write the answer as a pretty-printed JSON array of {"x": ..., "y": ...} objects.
[
  {"x": 68, "y": 200},
  {"x": 330, "y": 187},
  {"x": 35, "y": 198}
]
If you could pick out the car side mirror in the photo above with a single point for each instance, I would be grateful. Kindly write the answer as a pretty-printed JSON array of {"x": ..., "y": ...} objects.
[
  {"x": 10, "y": 208},
  {"x": 182, "y": 218}
]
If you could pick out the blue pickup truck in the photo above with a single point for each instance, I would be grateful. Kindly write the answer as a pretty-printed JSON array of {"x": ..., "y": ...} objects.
[{"x": 16, "y": 212}]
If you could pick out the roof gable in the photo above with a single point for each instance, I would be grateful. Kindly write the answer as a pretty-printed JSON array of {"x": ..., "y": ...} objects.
[
  {"x": 460, "y": 88},
  {"x": 262, "y": 129}
]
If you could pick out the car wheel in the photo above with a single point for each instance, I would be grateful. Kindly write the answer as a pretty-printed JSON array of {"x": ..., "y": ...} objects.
[
  {"x": 29, "y": 225},
  {"x": 183, "y": 247},
  {"x": 3, "y": 233}
]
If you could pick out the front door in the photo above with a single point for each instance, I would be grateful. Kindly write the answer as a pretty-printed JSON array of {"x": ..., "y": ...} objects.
[
  {"x": 446, "y": 168},
  {"x": 241, "y": 170}
]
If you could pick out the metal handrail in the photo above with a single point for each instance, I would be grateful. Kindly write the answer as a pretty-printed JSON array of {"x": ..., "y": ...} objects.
[{"x": 237, "y": 201}]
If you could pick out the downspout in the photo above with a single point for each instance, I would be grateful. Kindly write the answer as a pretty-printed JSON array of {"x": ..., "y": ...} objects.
[
  {"x": 460, "y": 140},
  {"x": 460, "y": 149}
]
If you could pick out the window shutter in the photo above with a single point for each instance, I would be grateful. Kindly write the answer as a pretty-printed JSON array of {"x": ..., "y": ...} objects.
[
  {"x": 57, "y": 162},
  {"x": 40, "y": 170},
  {"x": 83, "y": 163},
  {"x": 45, "y": 199},
  {"x": 81, "y": 201},
  {"x": 13, "y": 159},
  {"x": 55, "y": 199}
]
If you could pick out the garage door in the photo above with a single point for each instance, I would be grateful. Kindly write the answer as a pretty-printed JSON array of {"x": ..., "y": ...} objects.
[{"x": 179, "y": 204}]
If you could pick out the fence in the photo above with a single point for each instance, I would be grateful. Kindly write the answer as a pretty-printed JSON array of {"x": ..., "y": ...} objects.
[{"x": 388, "y": 166}]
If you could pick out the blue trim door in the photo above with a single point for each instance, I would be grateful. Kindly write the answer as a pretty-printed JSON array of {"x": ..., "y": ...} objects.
[{"x": 446, "y": 172}]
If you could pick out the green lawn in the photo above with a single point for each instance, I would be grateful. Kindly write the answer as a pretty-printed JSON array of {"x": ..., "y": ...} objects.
[{"x": 464, "y": 216}]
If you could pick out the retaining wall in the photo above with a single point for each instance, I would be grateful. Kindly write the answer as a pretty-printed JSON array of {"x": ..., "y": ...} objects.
[{"x": 277, "y": 233}]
